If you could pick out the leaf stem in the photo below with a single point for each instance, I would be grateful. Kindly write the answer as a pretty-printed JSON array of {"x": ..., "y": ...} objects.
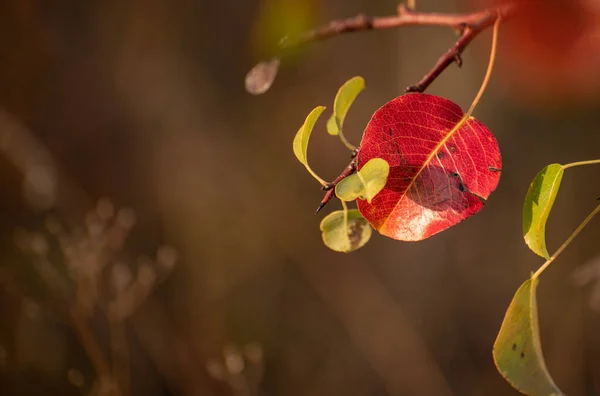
[
  {"x": 486, "y": 79},
  {"x": 580, "y": 163},
  {"x": 488, "y": 73},
  {"x": 349, "y": 145},
  {"x": 566, "y": 243},
  {"x": 312, "y": 172},
  {"x": 345, "y": 214}
]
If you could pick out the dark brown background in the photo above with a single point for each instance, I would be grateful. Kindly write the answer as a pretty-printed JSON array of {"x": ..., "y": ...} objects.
[{"x": 142, "y": 101}]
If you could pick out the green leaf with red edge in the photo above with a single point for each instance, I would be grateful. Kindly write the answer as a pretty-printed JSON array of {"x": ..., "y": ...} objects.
[{"x": 438, "y": 175}]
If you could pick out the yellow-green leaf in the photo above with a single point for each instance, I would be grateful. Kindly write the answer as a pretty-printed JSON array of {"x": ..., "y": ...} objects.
[
  {"x": 300, "y": 144},
  {"x": 366, "y": 183},
  {"x": 518, "y": 350},
  {"x": 538, "y": 204},
  {"x": 345, "y": 234},
  {"x": 374, "y": 174},
  {"x": 343, "y": 100},
  {"x": 332, "y": 126}
]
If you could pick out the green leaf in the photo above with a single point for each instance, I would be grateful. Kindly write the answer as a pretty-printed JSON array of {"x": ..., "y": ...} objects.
[
  {"x": 332, "y": 126},
  {"x": 300, "y": 144},
  {"x": 343, "y": 100},
  {"x": 350, "y": 188},
  {"x": 538, "y": 204},
  {"x": 366, "y": 183},
  {"x": 343, "y": 234},
  {"x": 518, "y": 350}
]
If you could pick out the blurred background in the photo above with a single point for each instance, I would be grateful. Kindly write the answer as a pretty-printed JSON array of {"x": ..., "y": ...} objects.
[{"x": 158, "y": 235}]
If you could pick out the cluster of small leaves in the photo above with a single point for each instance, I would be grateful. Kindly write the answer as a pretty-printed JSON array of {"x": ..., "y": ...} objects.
[
  {"x": 344, "y": 230},
  {"x": 365, "y": 183},
  {"x": 517, "y": 350},
  {"x": 423, "y": 165},
  {"x": 415, "y": 176}
]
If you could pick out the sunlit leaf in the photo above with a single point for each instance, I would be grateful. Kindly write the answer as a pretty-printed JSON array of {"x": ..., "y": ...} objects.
[
  {"x": 332, "y": 126},
  {"x": 374, "y": 176},
  {"x": 538, "y": 204},
  {"x": 260, "y": 78},
  {"x": 300, "y": 143},
  {"x": 518, "y": 350},
  {"x": 439, "y": 174},
  {"x": 350, "y": 188},
  {"x": 343, "y": 100},
  {"x": 365, "y": 183},
  {"x": 345, "y": 235}
]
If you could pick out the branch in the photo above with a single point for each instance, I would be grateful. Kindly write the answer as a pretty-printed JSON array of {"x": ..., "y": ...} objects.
[
  {"x": 469, "y": 25},
  {"x": 469, "y": 32},
  {"x": 330, "y": 187},
  {"x": 260, "y": 78},
  {"x": 404, "y": 17}
]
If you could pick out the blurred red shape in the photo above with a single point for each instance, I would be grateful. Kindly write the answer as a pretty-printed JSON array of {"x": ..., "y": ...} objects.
[{"x": 550, "y": 49}]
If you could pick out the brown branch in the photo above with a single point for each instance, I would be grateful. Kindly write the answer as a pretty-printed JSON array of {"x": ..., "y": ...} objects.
[
  {"x": 330, "y": 187},
  {"x": 468, "y": 24},
  {"x": 260, "y": 78},
  {"x": 469, "y": 32},
  {"x": 404, "y": 17}
]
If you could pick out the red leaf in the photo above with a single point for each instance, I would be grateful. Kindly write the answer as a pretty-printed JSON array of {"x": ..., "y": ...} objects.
[{"x": 437, "y": 178}]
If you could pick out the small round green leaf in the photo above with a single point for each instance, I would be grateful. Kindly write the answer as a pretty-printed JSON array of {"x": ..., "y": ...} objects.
[
  {"x": 366, "y": 183},
  {"x": 300, "y": 144},
  {"x": 345, "y": 234},
  {"x": 374, "y": 175},
  {"x": 518, "y": 350},
  {"x": 343, "y": 100},
  {"x": 350, "y": 188},
  {"x": 538, "y": 204}
]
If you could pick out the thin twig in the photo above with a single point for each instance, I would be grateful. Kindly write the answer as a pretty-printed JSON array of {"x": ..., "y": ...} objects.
[
  {"x": 330, "y": 187},
  {"x": 468, "y": 24},
  {"x": 469, "y": 32},
  {"x": 488, "y": 73},
  {"x": 404, "y": 17},
  {"x": 566, "y": 243}
]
